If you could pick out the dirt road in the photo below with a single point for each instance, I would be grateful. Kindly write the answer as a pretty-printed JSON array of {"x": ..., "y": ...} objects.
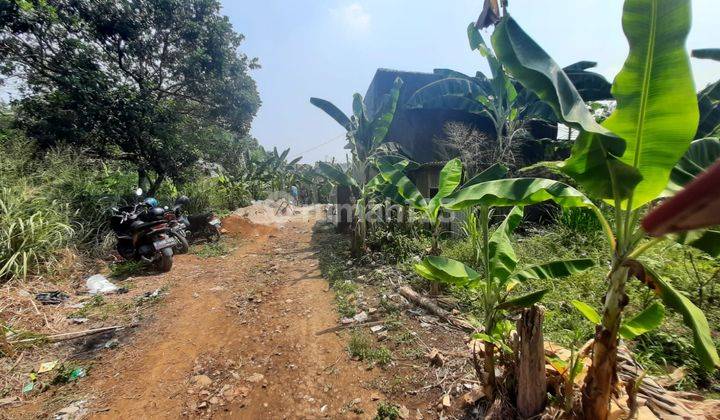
[{"x": 235, "y": 338}]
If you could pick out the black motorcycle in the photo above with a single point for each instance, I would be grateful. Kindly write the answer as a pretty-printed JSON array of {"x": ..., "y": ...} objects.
[
  {"x": 205, "y": 225},
  {"x": 143, "y": 234}
]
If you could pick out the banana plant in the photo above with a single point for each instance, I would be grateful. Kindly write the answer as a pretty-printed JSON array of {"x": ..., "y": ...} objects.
[
  {"x": 501, "y": 99},
  {"x": 626, "y": 161},
  {"x": 366, "y": 136},
  {"x": 647, "y": 320},
  {"x": 496, "y": 281}
]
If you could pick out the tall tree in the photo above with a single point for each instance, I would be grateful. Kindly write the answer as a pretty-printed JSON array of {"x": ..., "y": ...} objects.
[{"x": 127, "y": 79}]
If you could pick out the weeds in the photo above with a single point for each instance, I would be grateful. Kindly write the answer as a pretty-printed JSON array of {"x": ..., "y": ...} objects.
[
  {"x": 212, "y": 250},
  {"x": 126, "y": 269},
  {"x": 361, "y": 347},
  {"x": 387, "y": 411}
]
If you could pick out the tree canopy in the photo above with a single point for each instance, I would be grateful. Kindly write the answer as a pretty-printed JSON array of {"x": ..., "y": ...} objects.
[{"x": 137, "y": 80}]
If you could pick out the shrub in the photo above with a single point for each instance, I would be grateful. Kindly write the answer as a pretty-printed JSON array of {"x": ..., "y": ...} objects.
[{"x": 32, "y": 232}]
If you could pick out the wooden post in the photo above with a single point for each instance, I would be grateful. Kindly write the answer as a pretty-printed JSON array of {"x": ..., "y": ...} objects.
[{"x": 532, "y": 384}]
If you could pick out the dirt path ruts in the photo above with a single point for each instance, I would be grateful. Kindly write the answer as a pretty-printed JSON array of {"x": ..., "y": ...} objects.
[{"x": 254, "y": 312}]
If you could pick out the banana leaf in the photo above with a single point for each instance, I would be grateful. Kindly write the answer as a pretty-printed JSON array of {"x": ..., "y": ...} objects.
[
  {"x": 554, "y": 270},
  {"x": 503, "y": 259},
  {"x": 333, "y": 112},
  {"x": 709, "y": 108},
  {"x": 524, "y": 301},
  {"x": 702, "y": 154},
  {"x": 496, "y": 171},
  {"x": 707, "y": 53},
  {"x": 594, "y": 162},
  {"x": 381, "y": 122},
  {"x": 693, "y": 317},
  {"x": 657, "y": 109},
  {"x": 517, "y": 192},
  {"x": 447, "y": 270},
  {"x": 336, "y": 175},
  {"x": 647, "y": 320}
]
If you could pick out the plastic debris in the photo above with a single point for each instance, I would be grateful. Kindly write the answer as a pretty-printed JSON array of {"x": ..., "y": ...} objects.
[
  {"x": 100, "y": 285},
  {"x": 28, "y": 387},
  {"x": 55, "y": 297},
  {"x": 47, "y": 366},
  {"x": 77, "y": 373}
]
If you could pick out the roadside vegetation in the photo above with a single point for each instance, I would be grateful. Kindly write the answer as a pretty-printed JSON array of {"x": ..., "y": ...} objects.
[{"x": 585, "y": 256}]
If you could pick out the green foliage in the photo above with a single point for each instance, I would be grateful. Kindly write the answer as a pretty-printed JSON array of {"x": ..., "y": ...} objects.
[
  {"x": 149, "y": 82},
  {"x": 32, "y": 232},
  {"x": 387, "y": 411},
  {"x": 361, "y": 347},
  {"x": 628, "y": 160},
  {"x": 498, "y": 278},
  {"x": 647, "y": 320}
]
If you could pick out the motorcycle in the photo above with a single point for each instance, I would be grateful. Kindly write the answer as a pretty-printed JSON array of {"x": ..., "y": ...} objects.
[
  {"x": 205, "y": 225},
  {"x": 143, "y": 234}
]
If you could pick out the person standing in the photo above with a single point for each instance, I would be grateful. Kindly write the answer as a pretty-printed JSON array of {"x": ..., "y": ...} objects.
[{"x": 294, "y": 192}]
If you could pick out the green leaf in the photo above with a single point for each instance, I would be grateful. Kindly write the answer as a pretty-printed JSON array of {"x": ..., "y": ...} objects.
[
  {"x": 496, "y": 171},
  {"x": 524, "y": 301},
  {"x": 594, "y": 162},
  {"x": 702, "y": 154},
  {"x": 359, "y": 110},
  {"x": 516, "y": 192},
  {"x": 336, "y": 175},
  {"x": 395, "y": 176},
  {"x": 381, "y": 123},
  {"x": 709, "y": 108},
  {"x": 590, "y": 85},
  {"x": 448, "y": 271},
  {"x": 503, "y": 259},
  {"x": 707, "y": 53},
  {"x": 333, "y": 112},
  {"x": 647, "y": 320},
  {"x": 554, "y": 270},
  {"x": 451, "y": 93},
  {"x": 706, "y": 240},
  {"x": 657, "y": 110},
  {"x": 693, "y": 317},
  {"x": 450, "y": 177},
  {"x": 699, "y": 157},
  {"x": 588, "y": 312}
]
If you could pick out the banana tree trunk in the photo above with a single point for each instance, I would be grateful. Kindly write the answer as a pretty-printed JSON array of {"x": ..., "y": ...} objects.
[
  {"x": 435, "y": 250},
  {"x": 489, "y": 368},
  {"x": 360, "y": 230},
  {"x": 602, "y": 375}
]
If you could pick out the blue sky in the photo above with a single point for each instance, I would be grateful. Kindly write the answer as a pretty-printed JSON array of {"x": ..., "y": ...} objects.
[{"x": 331, "y": 49}]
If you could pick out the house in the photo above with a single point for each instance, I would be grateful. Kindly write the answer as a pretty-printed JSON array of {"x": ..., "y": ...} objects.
[{"x": 418, "y": 130}]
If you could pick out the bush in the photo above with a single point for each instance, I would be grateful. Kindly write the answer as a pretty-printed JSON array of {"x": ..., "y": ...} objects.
[{"x": 33, "y": 232}]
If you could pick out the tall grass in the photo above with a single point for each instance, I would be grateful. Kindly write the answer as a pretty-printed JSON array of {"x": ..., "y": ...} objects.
[{"x": 32, "y": 232}]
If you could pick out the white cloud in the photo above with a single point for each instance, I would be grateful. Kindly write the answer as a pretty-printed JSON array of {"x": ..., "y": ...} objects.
[{"x": 353, "y": 17}]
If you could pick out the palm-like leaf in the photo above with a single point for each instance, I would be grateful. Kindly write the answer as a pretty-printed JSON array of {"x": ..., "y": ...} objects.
[
  {"x": 333, "y": 112},
  {"x": 693, "y": 317},
  {"x": 554, "y": 270},
  {"x": 657, "y": 110},
  {"x": 517, "y": 191},
  {"x": 503, "y": 259},
  {"x": 594, "y": 162}
]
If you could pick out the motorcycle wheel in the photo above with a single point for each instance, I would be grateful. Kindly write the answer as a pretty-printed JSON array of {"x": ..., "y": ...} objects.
[
  {"x": 212, "y": 234},
  {"x": 183, "y": 247},
  {"x": 165, "y": 262}
]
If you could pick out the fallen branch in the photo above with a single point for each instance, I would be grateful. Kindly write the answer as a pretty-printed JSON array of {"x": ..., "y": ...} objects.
[
  {"x": 69, "y": 336},
  {"x": 433, "y": 308},
  {"x": 348, "y": 326}
]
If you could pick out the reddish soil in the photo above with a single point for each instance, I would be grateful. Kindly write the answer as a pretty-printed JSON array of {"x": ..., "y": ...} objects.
[{"x": 247, "y": 322}]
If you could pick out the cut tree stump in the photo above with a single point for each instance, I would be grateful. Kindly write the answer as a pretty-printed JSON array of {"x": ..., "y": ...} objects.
[{"x": 532, "y": 383}]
